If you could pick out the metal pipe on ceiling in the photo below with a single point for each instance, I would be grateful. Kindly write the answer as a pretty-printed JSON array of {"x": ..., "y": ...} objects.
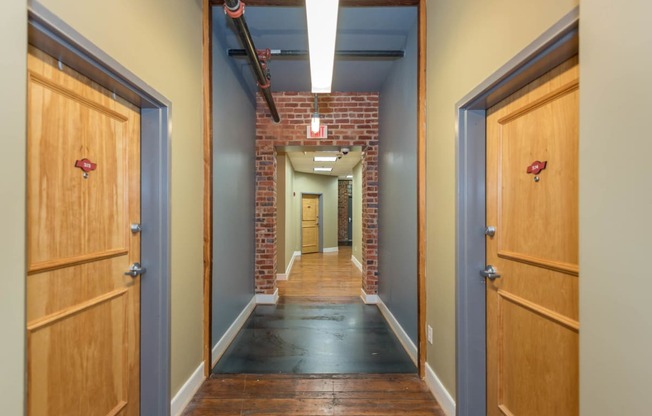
[
  {"x": 235, "y": 10},
  {"x": 344, "y": 53}
]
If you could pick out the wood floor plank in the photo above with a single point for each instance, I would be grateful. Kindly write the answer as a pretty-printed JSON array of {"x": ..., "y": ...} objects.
[
  {"x": 222, "y": 387},
  {"x": 311, "y": 394},
  {"x": 209, "y": 406},
  {"x": 263, "y": 385},
  {"x": 386, "y": 407},
  {"x": 323, "y": 275},
  {"x": 288, "y": 407}
]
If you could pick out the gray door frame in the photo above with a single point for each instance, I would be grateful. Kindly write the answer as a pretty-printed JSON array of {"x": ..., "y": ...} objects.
[
  {"x": 554, "y": 46},
  {"x": 52, "y": 35}
]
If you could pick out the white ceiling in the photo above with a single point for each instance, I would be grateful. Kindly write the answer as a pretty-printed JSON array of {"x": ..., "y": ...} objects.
[{"x": 302, "y": 161}]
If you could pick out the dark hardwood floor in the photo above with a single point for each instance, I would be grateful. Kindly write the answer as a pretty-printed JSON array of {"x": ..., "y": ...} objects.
[
  {"x": 281, "y": 394},
  {"x": 300, "y": 336}
]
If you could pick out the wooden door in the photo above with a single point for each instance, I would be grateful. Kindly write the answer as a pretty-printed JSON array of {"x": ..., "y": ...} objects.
[
  {"x": 532, "y": 308},
  {"x": 309, "y": 224},
  {"x": 83, "y": 324}
]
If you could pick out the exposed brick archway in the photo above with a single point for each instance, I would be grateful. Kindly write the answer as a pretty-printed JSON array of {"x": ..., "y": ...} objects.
[{"x": 352, "y": 120}]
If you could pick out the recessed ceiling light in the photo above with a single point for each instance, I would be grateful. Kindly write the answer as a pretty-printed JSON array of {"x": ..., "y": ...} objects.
[
  {"x": 324, "y": 158},
  {"x": 322, "y": 28},
  {"x": 322, "y": 169}
]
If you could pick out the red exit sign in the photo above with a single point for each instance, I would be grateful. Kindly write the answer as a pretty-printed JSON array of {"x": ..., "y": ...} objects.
[{"x": 321, "y": 134}]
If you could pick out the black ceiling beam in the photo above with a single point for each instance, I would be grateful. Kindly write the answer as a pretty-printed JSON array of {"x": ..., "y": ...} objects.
[{"x": 344, "y": 53}]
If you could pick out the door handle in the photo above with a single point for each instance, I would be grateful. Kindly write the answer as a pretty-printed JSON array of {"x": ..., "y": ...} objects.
[
  {"x": 135, "y": 270},
  {"x": 490, "y": 272}
]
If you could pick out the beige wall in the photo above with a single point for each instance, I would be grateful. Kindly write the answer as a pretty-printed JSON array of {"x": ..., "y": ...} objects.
[
  {"x": 615, "y": 208},
  {"x": 160, "y": 41},
  {"x": 356, "y": 250},
  {"x": 467, "y": 41},
  {"x": 13, "y": 31},
  {"x": 285, "y": 232},
  {"x": 281, "y": 191},
  {"x": 317, "y": 184},
  {"x": 291, "y": 242}
]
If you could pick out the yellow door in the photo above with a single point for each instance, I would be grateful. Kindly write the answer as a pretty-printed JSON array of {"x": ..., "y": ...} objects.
[
  {"x": 83, "y": 180},
  {"x": 532, "y": 201},
  {"x": 310, "y": 224}
]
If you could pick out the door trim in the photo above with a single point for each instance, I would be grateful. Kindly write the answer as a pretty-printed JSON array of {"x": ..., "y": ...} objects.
[
  {"x": 55, "y": 37},
  {"x": 554, "y": 46}
]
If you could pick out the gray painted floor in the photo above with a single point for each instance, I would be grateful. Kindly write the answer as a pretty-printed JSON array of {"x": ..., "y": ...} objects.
[{"x": 312, "y": 338}]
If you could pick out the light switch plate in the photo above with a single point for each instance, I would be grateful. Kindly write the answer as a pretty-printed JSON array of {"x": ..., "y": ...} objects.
[{"x": 429, "y": 334}]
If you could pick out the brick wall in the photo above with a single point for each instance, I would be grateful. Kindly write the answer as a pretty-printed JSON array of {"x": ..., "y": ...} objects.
[
  {"x": 352, "y": 120},
  {"x": 343, "y": 210}
]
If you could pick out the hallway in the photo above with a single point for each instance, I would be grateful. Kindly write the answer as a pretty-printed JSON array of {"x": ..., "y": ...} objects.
[{"x": 326, "y": 286}]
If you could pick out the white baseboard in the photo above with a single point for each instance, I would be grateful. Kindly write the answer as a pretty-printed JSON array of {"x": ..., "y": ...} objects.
[
  {"x": 368, "y": 299},
  {"x": 400, "y": 333},
  {"x": 356, "y": 263},
  {"x": 439, "y": 391},
  {"x": 220, "y": 347},
  {"x": 264, "y": 299},
  {"x": 286, "y": 275},
  {"x": 187, "y": 391},
  {"x": 331, "y": 249}
]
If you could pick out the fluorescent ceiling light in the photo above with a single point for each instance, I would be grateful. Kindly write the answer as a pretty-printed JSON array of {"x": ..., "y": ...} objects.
[
  {"x": 322, "y": 27},
  {"x": 314, "y": 121},
  {"x": 349, "y": 176},
  {"x": 322, "y": 169},
  {"x": 325, "y": 158}
]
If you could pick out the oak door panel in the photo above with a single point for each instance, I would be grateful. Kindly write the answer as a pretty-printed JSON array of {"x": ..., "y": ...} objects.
[
  {"x": 532, "y": 309},
  {"x": 83, "y": 312}
]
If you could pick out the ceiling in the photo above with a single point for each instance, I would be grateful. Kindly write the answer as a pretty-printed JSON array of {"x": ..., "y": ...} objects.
[
  {"x": 359, "y": 28},
  {"x": 302, "y": 161},
  {"x": 284, "y": 27}
]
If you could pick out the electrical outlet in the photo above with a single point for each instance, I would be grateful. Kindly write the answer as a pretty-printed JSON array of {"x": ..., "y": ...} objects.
[{"x": 429, "y": 334}]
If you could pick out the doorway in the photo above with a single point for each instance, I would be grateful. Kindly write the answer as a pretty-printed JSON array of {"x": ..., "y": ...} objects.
[
  {"x": 56, "y": 38},
  {"x": 352, "y": 120},
  {"x": 552, "y": 48},
  {"x": 311, "y": 226},
  {"x": 532, "y": 283},
  {"x": 83, "y": 187}
]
